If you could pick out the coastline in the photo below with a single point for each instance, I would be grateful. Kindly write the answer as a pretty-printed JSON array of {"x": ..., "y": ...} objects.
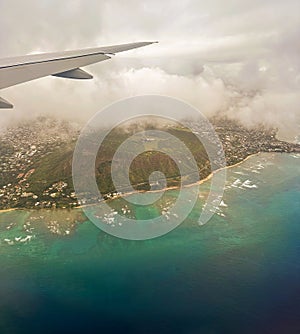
[
  {"x": 159, "y": 190},
  {"x": 207, "y": 178},
  {"x": 11, "y": 209},
  {"x": 192, "y": 184}
]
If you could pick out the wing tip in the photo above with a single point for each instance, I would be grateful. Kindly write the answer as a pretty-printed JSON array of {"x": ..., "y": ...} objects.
[{"x": 153, "y": 42}]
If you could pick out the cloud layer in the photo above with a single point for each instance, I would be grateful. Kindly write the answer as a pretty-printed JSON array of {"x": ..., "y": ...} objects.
[{"x": 235, "y": 57}]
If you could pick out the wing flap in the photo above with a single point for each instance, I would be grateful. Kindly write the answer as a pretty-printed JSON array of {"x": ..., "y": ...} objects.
[
  {"x": 76, "y": 73},
  {"x": 5, "y": 104}
]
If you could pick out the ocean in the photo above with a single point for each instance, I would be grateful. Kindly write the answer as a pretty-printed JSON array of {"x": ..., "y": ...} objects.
[{"x": 239, "y": 273}]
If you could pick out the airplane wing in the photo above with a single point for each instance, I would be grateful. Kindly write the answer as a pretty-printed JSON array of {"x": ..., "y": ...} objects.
[{"x": 61, "y": 64}]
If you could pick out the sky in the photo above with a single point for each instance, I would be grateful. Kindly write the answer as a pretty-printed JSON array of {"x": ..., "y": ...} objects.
[{"x": 233, "y": 57}]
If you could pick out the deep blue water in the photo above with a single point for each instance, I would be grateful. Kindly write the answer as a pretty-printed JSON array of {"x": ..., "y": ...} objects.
[{"x": 237, "y": 274}]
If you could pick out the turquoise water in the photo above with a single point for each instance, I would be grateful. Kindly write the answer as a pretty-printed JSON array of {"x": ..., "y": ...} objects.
[{"x": 239, "y": 273}]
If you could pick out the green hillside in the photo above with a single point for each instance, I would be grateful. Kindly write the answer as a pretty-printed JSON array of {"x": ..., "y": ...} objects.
[{"x": 57, "y": 166}]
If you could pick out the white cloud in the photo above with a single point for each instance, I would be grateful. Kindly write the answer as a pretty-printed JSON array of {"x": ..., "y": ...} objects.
[{"x": 233, "y": 40}]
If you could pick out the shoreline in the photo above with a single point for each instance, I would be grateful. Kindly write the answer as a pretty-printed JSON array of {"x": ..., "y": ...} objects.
[
  {"x": 151, "y": 191},
  {"x": 11, "y": 209},
  {"x": 207, "y": 178}
]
